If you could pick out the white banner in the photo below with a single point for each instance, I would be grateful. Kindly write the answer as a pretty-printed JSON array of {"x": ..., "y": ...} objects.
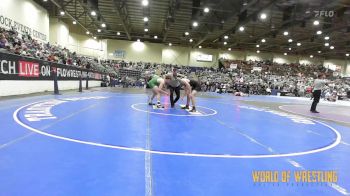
[
  {"x": 233, "y": 66},
  {"x": 331, "y": 67},
  {"x": 205, "y": 57}
]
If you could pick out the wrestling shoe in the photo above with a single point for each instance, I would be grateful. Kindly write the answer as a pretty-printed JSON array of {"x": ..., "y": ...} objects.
[
  {"x": 193, "y": 110},
  {"x": 185, "y": 107},
  {"x": 160, "y": 106}
]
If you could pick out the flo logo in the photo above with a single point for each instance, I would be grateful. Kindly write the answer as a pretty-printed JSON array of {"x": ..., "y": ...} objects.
[{"x": 324, "y": 13}]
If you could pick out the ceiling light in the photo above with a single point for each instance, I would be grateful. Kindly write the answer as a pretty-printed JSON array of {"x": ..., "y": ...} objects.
[
  {"x": 118, "y": 33},
  {"x": 44, "y": 0},
  {"x": 229, "y": 49},
  {"x": 347, "y": 54},
  {"x": 138, "y": 40},
  {"x": 311, "y": 56},
  {"x": 206, "y": 10},
  {"x": 289, "y": 48},
  {"x": 145, "y": 2},
  {"x": 225, "y": 43},
  {"x": 95, "y": 37},
  {"x": 263, "y": 16},
  {"x": 241, "y": 28},
  {"x": 195, "y": 24},
  {"x": 170, "y": 44},
  {"x": 290, "y": 40},
  {"x": 62, "y": 13},
  {"x": 199, "y": 46},
  {"x": 155, "y": 37},
  {"x": 93, "y": 13},
  {"x": 258, "y": 51},
  {"x": 145, "y": 19},
  {"x": 263, "y": 40},
  {"x": 74, "y": 22},
  {"x": 225, "y": 37},
  {"x": 319, "y": 51},
  {"x": 187, "y": 33},
  {"x": 332, "y": 47},
  {"x": 146, "y": 30},
  {"x": 87, "y": 32},
  {"x": 285, "y": 53},
  {"x": 316, "y": 22},
  {"x": 326, "y": 38},
  {"x": 285, "y": 33},
  {"x": 103, "y": 25},
  {"x": 319, "y": 32},
  {"x": 257, "y": 45},
  {"x": 326, "y": 44},
  {"x": 191, "y": 40},
  {"x": 298, "y": 44},
  {"x": 99, "y": 30}
]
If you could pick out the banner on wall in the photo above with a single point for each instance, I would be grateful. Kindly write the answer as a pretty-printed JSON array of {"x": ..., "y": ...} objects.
[
  {"x": 119, "y": 53},
  {"x": 8, "y": 23},
  {"x": 233, "y": 66},
  {"x": 331, "y": 67},
  {"x": 205, "y": 57},
  {"x": 15, "y": 67}
]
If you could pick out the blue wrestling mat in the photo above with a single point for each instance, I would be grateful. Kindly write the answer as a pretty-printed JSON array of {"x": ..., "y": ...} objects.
[{"x": 104, "y": 143}]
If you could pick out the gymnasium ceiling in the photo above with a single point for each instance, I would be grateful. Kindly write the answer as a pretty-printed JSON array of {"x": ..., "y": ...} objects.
[{"x": 170, "y": 19}]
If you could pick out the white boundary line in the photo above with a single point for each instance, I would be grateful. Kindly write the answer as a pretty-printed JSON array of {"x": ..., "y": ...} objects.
[
  {"x": 148, "y": 160},
  {"x": 133, "y": 106},
  {"x": 335, "y": 143},
  {"x": 281, "y": 108}
]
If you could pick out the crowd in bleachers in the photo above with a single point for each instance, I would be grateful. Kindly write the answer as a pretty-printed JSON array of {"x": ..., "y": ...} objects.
[
  {"x": 270, "y": 77},
  {"x": 23, "y": 44},
  {"x": 273, "y": 78}
]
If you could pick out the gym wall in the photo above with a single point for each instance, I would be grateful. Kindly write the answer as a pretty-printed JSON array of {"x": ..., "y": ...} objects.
[{"x": 25, "y": 16}]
